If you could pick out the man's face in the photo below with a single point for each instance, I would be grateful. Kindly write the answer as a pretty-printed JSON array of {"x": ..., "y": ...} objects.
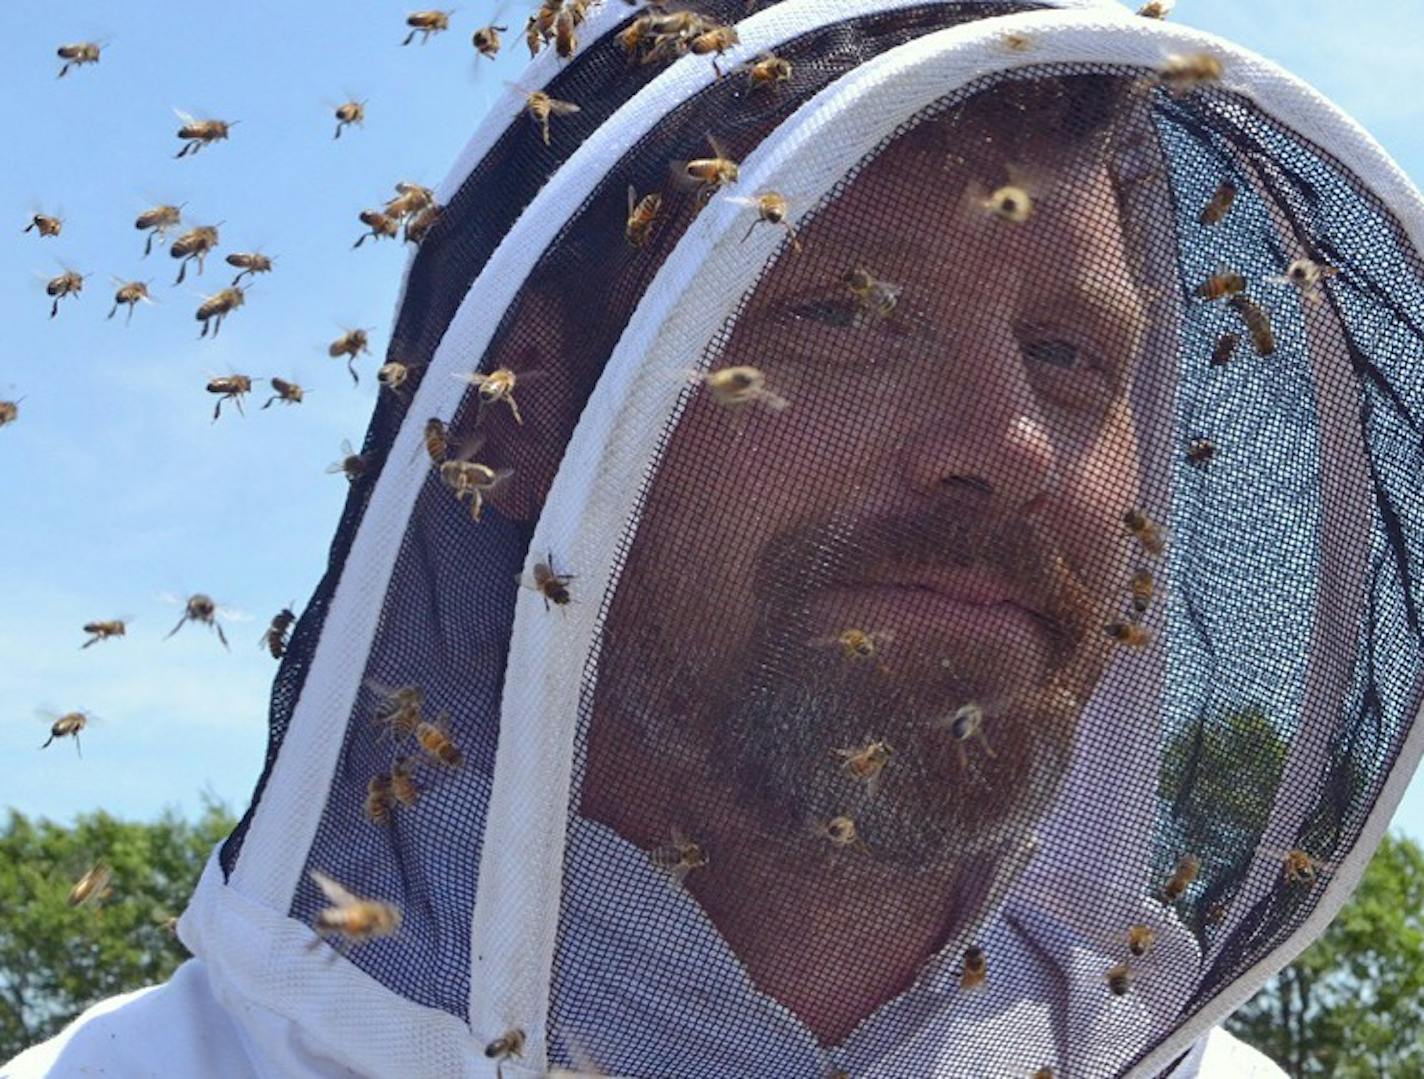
[{"x": 947, "y": 480}]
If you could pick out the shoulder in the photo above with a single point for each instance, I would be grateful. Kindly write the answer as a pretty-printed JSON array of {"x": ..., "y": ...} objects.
[
  {"x": 1219, "y": 1055},
  {"x": 176, "y": 1028}
]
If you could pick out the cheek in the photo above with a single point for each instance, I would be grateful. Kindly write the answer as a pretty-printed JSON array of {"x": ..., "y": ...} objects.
[{"x": 1100, "y": 482}]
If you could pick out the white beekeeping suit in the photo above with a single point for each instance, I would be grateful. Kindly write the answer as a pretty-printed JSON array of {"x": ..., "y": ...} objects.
[{"x": 936, "y": 597}]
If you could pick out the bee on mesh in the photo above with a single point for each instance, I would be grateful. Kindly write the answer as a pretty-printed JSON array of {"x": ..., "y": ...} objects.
[
  {"x": 1299, "y": 866},
  {"x": 772, "y": 209},
  {"x": 1222, "y": 199},
  {"x": 426, "y": 23},
  {"x": 274, "y": 638},
  {"x": 715, "y": 40},
  {"x": 964, "y": 725},
  {"x": 679, "y": 857},
  {"x": 508, "y": 1045},
  {"x": 706, "y": 175},
  {"x": 1220, "y": 285},
  {"x": 1012, "y": 202},
  {"x": 975, "y": 969},
  {"x": 1258, "y": 324},
  {"x": 197, "y": 133},
  {"x": 735, "y": 388},
  {"x": 542, "y": 108},
  {"x": 839, "y": 832},
  {"x": 435, "y": 740},
  {"x": 77, "y": 54},
  {"x": 1146, "y": 531},
  {"x": 1183, "y": 74},
  {"x": 498, "y": 386},
  {"x": 642, "y": 213},
  {"x": 552, "y": 586},
  {"x": 874, "y": 299},
  {"x": 767, "y": 72},
  {"x": 417, "y": 226},
  {"x": 866, "y": 763},
  {"x": 857, "y": 645},
  {"x": 352, "y": 465},
  {"x": 1187, "y": 870}
]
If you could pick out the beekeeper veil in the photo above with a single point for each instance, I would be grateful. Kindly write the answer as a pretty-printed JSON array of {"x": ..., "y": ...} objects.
[{"x": 898, "y": 560}]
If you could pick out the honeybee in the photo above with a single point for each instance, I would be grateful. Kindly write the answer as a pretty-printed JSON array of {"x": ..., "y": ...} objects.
[
  {"x": 249, "y": 262},
  {"x": 9, "y": 412},
  {"x": 92, "y": 886},
  {"x": 713, "y": 172},
  {"x": 68, "y": 283},
  {"x": 199, "y": 133},
  {"x": 403, "y": 786},
  {"x": 716, "y": 40},
  {"x": 1226, "y": 283},
  {"x": 426, "y": 23},
  {"x": 200, "y": 608},
  {"x": 1188, "y": 866},
  {"x": 379, "y": 225},
  {"x": 1119, "y": 979},
  {"x": 541, "y": 107},
  {"x": 486, "y": 40},
  {"x": 533, "y": 38},
  {"x": 102, "y": 631},
  {"x": 631, "y": 37},
  {"x": 1183, "y": 74},
  {"x": 1220, "y": 204},
  {"x": 355, "y": 920},
  {"x": 229, "y": 388},
  {"x": 378, "y": 800},
  {"x": 771, "y": 208},
  {"x": 1300, "y": 866},
  {"x": 288, "y": 392},
  {"x": 1306, "y": 276},
  {"x": 964, "y": 723},
  {"x": 1128, "y": 634},
  {"x": 565, "y": 39},
  {"x": 1156, "y": 9},
  {"x": 1216, "y": 913},
  {"x": 1145, "y": 530},
  {"x": 866, "y": 764},
  {"x": 156, "y": 222},
  {"x": 217, "y": 307},
  {"x": 418, "y": 226},
  {"x": 679, "y": 857},
  {"x": 434, "y": 738},
  {"x": 437, "y": 441},
  {"x": 129, "y": 293},
  {"x": 1143, "y": 587},
  {"x": 193, "y": 245},
  {"x": 1200, "y": 451},
  {"x": 1258, "y": 324},
  {"x": 399, "y": 709},
  {"x": 976, "y": 968},
  {"x": 1044, "y": 1072},
  {"x": 77, "y": 55},
  {"x": 839, "y": 831},
  {"x": 352, "y": 464},
  {"x": 410, "y": 198},
  {"x": 509, "y": 1044},
  {"x": 873, "y": 297},
  {"x": 469, "y": 479},
  {"x": 47, "y": 225},
  {"x": 393, "y": 375},
  {"x": 856, "y": 644},
  {"x": 735, "y": 387},
  {"x": 767, "y": 70},
  {"x": 348, "y": 113},
  {"x": 275, "y": 638},
  {"x": 68, "y": 725},
  {"x": 498, "y": 385},
  {"x": 641, "y": 215},
  {"x": 1140, "y": 939},
  {"x": 1224, "y": 350},
  {"x": 552, "y": 586},
  {"x": 350, "y": 344}
]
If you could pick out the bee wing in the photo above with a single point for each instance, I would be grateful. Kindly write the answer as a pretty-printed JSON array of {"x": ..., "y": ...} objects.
[
  {"x": 632, "y": 199},
  {"x": 334, "y": 892},
  {"x": 234, "y": 614},
  {"x": 185, "y": 117},
  {"x": 466, "y": 449},
  {"x": 718, "y": 149},
  {"x": 562, "y": 108}
]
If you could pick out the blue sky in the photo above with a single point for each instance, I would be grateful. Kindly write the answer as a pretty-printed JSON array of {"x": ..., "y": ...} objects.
[{"x": 116, "y": 488}]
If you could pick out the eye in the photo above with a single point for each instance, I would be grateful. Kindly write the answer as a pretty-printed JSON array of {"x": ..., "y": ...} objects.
[{"x": 1054, "y": 351}]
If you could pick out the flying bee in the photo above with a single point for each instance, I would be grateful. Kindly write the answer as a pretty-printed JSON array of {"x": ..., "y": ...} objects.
[
  {"x": 1119, "y": 979},
  {"x": 541, "y": 108},
  {"x": 410, "y": 198},
  {"x": 1156, "y": 9},
  {"x": 1200, "y": 451},
  {"x": 249, "y": 262},
  {"x": 9, "y": 412},
  {"x": 1183, "y": 74},
  {"x": 873, "y": 297},
  {"x": 839, "y": 832},
  {"x": 45, "y": 224},
  {"x": 735, "y": 387},
  {"x": 434, "y": 737},
  {"x": 217, "y": 307},
  {"x": 976, "y": 968},
  {"x": 1224, "y": 350},
  {"x": 275, "y": 638},
  {"x": 509, "y": 1044},
  {"x": 426, "y": 23},
  {"x": 679, "y": 857},
  {"x": 469, "y": 479},
  {"x": 437, "y": 441},
  {"x": 856, "y": 645},
  {"x": 1140, "y": 939},
  {"x": 68, "y": 725},
  {"x": 771, "y": 208},
  {"x": 288, "y": 392},
  {"x": 1143, "y": 587},
  {"x": 393, "y": 376},
  {"x": 498, "y": 385},
  {"x": 348, "y": 113},
  {"x": 398, "y": 712},
  {"x": 418, "y": 226},
  {"x": 486, "y": 40},
  {"x": 641, "y": 215},
  {"x": 1220, "y": 204},
  {"x": 716, "y": 40},
  {"x": 68, "y": 283},
  {"x": 866, "y": 764},
  {"x": 92, "y": 886},
  {"x": 156, "y": 222},
  {"x": 352, "y": 464},
  {"x": 1188, "y": 866},
  {"x": 129, "y": 294},
  {"x": 77, "y": 55},
  {"x": 713, "y": 172},
  {"x": 199, "y": 133},
  {"x": 193, "y": 246},
  {"x": 229, "y": 388},
  {"x": 353, "y": 919},
  {"x": 200, "y": 608},
  {"x": 102, "y": 631},
  {"x": 379, "y": 225},
  {"x": 404, "y": 788},
  {"x": 552, "y": 586},
  {"x": 767, "y": 71},
  {"x": 964, "y": 723},
  {"x": 1148, "y": 533},
  {"x": 1128, "y": 634},
  {"x": 1258, "y": 324},
  {"x": 350, "y": 344},
  {"x": 1306, "y": 275},
  {"x": 1225, "y": 283},
  {"x": 378, "y": 800}
]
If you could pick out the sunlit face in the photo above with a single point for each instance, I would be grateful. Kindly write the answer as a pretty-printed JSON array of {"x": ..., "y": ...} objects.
[{"x": 948, "y": 480}]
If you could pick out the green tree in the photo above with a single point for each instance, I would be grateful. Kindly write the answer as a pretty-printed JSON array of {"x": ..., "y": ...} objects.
[
  {"x": 1352, "y": 1004},
  {"x": 56, "y": 960}
]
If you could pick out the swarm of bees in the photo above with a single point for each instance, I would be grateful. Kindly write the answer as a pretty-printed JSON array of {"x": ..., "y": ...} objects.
[{"x": 660, "y": 37}]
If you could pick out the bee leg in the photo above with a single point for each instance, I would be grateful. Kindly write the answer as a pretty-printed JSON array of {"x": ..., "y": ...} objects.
[
  {"x": 204, "y": 332},
  {"x": 46, "y": 745},
  {"x": 54, "y": 308},
  {"x": 148, "y": 245},
  {"x": 269, "y": 402},
  {"x": 217, "y": 409},
  {"x": 359, "y": 241},
  {"x": 129, "y": 317},
  {"x": 182, "y": 272},
  {"x": 77, "y": 748},
  {"x": 338, "y": 132},
  {"x": 221, "y": 636},
  {"x": 237, "y": 400},
  {"x": 217, "y": 325},
  {"x": 409, "y": 38},
  {"x": 112, "y": 310}
]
